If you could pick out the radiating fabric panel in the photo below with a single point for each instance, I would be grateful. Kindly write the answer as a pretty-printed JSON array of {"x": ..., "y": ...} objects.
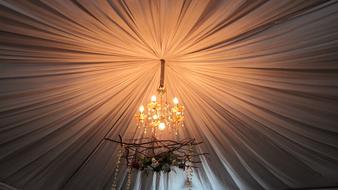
[{"x": 259, "y": 80}]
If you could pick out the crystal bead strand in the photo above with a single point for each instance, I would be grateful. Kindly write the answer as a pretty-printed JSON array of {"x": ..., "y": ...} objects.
[
  {"x": 129, "y": 179},
  {"x": 188, "y": 170},
  {"x": 117, "y": 167}
]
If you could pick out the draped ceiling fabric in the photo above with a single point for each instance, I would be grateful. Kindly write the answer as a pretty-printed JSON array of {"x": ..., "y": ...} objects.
[{"x": 259, "y": 80}]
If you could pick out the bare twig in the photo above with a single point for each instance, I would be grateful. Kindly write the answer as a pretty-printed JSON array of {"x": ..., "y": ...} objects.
[{"x": 154, "y": 148}]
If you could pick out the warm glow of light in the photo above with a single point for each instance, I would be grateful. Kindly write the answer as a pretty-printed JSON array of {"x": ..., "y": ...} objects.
[
  {"x": 141, "y": 109},
  {"x": 153, "y": 98},
  {"x": 155, "y": 117},
  {"x": 161, "y": 126},
  {"x": 175, "y": 100}
]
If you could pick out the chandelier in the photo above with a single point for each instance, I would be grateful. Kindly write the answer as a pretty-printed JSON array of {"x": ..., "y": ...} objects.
[
  {"x": 158, "y": 113},
  {"x": 151, "y": 154}
]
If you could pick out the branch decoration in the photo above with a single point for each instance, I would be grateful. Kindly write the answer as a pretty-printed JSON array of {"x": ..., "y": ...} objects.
[{"x": 151, "y": 154}]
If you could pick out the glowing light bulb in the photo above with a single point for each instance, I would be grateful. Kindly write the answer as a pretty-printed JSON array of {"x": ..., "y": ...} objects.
[
  {"x": 175, "y": 100},
  {"x": 161, "y": 126},
  {"x": 153, "y": 98},
  {"x": 141, "y": 109}
]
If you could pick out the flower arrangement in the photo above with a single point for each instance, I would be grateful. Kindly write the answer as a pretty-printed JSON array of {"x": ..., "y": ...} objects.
[{"x": 162, "y": 162}]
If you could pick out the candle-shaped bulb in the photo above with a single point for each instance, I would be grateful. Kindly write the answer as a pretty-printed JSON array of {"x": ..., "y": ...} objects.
[
  {"x": 153, "y": 98},
  {"x": 161, "y": 126},
  {"x": 141, "y": 109},
  {"x": 175, "y": 100}
]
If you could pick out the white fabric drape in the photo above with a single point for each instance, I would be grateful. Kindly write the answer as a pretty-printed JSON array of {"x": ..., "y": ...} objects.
[{"x": 259, "y": 80}]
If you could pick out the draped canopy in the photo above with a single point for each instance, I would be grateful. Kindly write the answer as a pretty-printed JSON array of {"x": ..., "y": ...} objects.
[{"x": 259, "y": 80}]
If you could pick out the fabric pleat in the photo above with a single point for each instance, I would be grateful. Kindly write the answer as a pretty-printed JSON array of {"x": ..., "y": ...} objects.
[{"x": 258, "y": 79}]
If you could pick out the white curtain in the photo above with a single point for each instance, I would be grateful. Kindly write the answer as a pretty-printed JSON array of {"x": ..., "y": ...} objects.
[{"x": 259, "y": 80}]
